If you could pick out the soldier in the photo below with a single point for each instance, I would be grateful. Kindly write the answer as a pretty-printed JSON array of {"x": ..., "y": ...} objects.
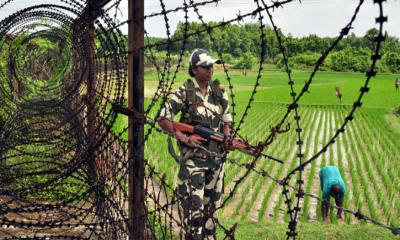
[
  {"x": 200, "y": 179},
  {"x": 332, "y": 184}
]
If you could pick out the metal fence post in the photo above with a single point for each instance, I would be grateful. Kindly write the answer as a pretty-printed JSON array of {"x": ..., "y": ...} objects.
[{"x": 136, "y": 128}]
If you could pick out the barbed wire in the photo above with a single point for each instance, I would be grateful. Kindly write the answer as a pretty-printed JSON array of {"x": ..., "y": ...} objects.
[
  {"x": 282, "y": 183},
  {"x": 59, "y": 118}
]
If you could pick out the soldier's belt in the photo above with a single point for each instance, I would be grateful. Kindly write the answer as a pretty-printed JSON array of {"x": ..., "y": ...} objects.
[{"x": 199, "y": 155}]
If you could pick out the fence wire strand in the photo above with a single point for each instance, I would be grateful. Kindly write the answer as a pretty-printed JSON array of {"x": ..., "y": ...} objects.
[{"x": 63, "y": 160}]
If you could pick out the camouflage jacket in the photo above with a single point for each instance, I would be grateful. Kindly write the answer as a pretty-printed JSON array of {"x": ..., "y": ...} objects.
[{"x": 210, "y": 110}]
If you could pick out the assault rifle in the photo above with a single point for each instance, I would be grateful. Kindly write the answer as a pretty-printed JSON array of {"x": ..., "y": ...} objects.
[
  {"x": 199, "y": 130},
  {"x": 207, "y": 133}
]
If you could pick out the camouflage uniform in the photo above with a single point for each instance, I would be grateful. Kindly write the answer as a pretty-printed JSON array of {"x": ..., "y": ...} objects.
[{"x": 200, "y": 177}]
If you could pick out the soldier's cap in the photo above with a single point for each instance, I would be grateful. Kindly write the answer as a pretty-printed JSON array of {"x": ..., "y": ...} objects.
[{"x": 201, "y": 57}]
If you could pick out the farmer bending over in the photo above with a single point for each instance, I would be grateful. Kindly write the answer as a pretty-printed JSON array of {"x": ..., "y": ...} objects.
[{"x": 331, "y": 185}]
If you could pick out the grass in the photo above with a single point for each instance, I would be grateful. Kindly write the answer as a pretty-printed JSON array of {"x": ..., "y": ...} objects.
[
  {"x": 274, "y": 88},
  {"x": 393, "y": 120},
  {"x": 269, "y": 104},
  {"x": 309, "y": 231}
]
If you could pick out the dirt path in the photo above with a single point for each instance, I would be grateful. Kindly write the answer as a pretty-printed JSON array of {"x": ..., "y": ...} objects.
[
  {"x": 65, "y": 216},
  {"x": 159, "y": 198}
]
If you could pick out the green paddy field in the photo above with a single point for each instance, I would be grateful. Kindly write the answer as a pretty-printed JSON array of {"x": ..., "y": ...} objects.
[{"x": 367, "y": 153}]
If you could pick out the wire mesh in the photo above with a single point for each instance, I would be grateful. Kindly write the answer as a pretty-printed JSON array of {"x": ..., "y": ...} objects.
[{"x": 64, "y": 166}]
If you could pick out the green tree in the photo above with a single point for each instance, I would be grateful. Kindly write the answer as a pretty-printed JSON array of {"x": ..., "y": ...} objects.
[
  {"x": 307, "y": 59},
  {"x": 246, "y": 62},
  {"x": 392, "y": 61},
  {"x": 370, "y": 36},
  {"x": 227, "y": 58},
  {"x": 351, "y": 54}
]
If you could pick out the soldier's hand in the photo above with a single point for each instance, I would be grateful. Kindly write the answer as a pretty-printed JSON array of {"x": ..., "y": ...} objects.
[
  {"x": 227, "y": 142},
  {"x": 193, "y": 140}
]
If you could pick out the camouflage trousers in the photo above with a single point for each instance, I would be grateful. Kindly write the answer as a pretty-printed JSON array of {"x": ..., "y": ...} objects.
[{"x": 200, "y": 185}]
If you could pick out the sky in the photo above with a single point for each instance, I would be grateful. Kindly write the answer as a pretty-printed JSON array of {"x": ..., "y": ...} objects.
[{"x": 322, "y": 17}]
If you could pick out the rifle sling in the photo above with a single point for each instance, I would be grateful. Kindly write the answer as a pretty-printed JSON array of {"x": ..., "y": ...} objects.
[{"x": 171, "y": 151}]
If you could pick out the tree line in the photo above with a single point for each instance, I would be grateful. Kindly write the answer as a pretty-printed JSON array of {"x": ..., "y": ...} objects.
[{"x": 241, "y": 46}]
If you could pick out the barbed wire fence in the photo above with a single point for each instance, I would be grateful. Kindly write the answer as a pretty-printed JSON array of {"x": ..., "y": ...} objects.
[{"x": 65, "y": 172}]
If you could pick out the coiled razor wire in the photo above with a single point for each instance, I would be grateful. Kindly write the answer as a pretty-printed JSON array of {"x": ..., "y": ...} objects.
[
  {"x": 56, "y": 124},
  {"x": 63, "y": 169}
]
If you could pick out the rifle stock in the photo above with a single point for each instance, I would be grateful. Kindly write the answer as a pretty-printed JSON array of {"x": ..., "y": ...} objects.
[{"x": 219, "y": 137}]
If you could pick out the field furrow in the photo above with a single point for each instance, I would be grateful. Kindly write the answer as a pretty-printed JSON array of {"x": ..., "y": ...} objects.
[
  {"x": 255, "y": 134},
  {"x": 366, "y": 155},
  {"x": 306, "y": 125},
  {"x": 314, "y": 185},
  {"x": 343, "y": 166}
]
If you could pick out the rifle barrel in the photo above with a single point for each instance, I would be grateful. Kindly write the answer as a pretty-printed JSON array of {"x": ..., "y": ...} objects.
[
  {"x": 270, "y": 157},
  {"x": 261, "y": 154},
  {"x": 219, "y": 137}
]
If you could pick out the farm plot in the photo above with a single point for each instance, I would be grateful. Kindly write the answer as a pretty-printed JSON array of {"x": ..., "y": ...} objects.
[{"x": 366, "y": 155}]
